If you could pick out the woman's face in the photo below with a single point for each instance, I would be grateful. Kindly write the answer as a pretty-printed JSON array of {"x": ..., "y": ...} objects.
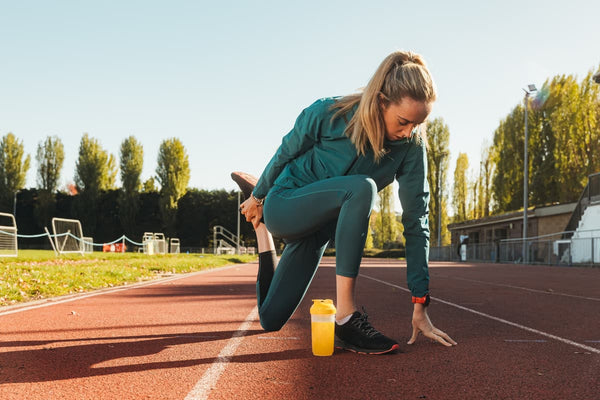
[{"x": 403, "y": 117}]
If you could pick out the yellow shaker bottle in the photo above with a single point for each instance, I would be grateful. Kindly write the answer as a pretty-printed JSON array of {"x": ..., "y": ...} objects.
[{"x": 322, "y": 316}]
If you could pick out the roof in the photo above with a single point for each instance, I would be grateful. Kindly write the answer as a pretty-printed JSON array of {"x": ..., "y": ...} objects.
[{"x": 543, "y": 211}]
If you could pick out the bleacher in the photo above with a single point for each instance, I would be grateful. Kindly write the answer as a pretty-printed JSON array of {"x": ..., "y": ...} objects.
[{"x": 585, "y": 242}]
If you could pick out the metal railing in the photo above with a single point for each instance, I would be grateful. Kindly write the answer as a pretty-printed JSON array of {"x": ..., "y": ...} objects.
[
  {"x": 444, "y": 253},
  {"x": 225, "y": 242},
  {"x": 543, "y": 250}
]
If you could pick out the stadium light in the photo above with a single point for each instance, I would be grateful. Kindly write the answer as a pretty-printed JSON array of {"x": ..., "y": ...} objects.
[
  {"x": 439, "y": 227},
  {"x": 237, "y": 245},
  {"x": 530, "y": 89}
]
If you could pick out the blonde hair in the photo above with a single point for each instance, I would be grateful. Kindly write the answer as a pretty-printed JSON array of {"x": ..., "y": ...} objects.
[{"x": 402, "y": 74}]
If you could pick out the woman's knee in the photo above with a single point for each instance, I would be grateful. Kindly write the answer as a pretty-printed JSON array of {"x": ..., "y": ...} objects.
[
  {"x": 269, "y": 325},
  {"x": 365, "y": 188}
]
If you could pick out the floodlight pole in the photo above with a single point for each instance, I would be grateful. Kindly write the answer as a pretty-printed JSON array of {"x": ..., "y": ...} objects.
[
  {"x": 526, "y": 176},
  {"x": 238, "y": 224},
  {"x": 439, "y": 235}
]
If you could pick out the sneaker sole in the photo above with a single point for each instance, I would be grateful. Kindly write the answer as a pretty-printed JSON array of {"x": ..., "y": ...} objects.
[
  {"x": 339, "y": 344},
  {"x": 246, "y": 182}
]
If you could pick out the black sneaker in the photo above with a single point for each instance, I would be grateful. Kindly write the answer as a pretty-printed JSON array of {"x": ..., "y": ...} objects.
[
  {"x": 245, "y": 181},
  {"x": 359, "y": 336}
]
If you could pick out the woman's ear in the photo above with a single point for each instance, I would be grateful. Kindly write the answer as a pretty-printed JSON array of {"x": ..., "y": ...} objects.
[{"x": 382, "y": 101}]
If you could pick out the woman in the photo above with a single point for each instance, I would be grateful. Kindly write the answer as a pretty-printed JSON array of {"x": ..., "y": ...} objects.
[{"x": 322, "y": 184}]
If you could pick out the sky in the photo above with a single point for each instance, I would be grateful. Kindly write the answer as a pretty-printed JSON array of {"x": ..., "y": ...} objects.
[{"x": 229, "y": 78}]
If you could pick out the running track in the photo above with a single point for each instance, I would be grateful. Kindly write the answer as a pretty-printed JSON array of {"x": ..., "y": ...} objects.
[{"x": 524, "y": 332}]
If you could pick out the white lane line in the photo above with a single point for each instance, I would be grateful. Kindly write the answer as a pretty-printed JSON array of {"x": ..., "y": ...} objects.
[
  {"x": 51, "y": 302},
  {"x": 525, "y": 341},
  {"x": 504, "y": 321},
  {"x": 203, "y": 387},
  {"x": 522, "y": 288}
]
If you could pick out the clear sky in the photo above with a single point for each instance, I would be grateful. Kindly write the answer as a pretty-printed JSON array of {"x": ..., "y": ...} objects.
[{"x": 229, "y": 78}]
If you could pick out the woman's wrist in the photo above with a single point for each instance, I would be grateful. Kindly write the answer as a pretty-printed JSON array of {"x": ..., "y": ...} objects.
[
  {"x": 418, "y": 308},
  {"x": 257, "y": 200}
]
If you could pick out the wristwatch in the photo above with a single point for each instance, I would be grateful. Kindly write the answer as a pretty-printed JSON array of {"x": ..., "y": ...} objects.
[
  {"x": 257, "y": 200},
  {"x": 421, "y": 300}
]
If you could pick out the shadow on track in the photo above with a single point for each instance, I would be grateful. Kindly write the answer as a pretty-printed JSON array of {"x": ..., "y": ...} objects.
[{"x": 60, "y": 363}]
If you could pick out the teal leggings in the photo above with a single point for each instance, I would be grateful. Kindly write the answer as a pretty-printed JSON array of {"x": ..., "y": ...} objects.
[{"x": 306, "y": 219}]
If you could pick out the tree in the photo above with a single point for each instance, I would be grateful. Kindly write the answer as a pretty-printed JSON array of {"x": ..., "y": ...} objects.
[
  {"x": 369, "y": 244},
  {"x": 111, "y": 173},
  {"x": 544, "y": 176},
  {"x": 438, "y": 137},
  {"x": 508, "y": 157},
  {"x": 173, "y": 174},
  {"x": 575, "y": 123},
  {"x": 460, "y": 192},
  {"x": 472, "y": 197},
  {"x": 563, "y": 141},
  {"x": 50, "y": 158},
  {"x": 132, "y": 161},
  {"x": 13, "y": 169},
  {"x": 385, "y": 227},
  {"x": 149, "y": 186},
  {"x": 94, "y": 172},
  {"x": 199, "y": 211},
  {"x": 486, "y": 174}
]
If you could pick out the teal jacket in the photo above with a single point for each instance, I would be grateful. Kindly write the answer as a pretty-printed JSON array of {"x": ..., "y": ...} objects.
[{"x": 317, "y": 148}]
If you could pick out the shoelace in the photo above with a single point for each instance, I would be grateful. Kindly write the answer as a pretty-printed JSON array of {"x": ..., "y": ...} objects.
[{"x": 364, "y": 325}]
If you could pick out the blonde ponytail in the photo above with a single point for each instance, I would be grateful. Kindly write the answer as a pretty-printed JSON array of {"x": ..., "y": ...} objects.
[{"x": 401, "y": 74}]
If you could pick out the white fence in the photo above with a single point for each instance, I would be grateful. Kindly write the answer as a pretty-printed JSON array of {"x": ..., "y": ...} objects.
[
  {"x": 73, "y": 239},
  {"x": 8, "y": 236}
]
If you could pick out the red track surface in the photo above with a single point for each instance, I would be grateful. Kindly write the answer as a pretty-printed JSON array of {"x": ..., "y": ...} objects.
[{"x": 180, "y": 337}]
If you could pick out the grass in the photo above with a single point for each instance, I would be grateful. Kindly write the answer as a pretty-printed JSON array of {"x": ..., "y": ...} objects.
[{"x": 39, "y": 274}]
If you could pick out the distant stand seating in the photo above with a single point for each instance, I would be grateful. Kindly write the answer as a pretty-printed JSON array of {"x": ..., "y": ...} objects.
[{"x": 585, "y": 242}]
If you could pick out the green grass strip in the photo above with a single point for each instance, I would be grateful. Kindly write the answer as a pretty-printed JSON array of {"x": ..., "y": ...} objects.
[{"x": 39, "y": 274}]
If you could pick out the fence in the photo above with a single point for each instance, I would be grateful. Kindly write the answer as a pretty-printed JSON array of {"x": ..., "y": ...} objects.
[
  {"x": 87, "y": 243},
  {"x": 544, "y": 250},
  {"x": 486, "y": 252}
]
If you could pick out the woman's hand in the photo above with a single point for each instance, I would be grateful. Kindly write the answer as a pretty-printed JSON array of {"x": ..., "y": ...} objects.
[
  {"x": 252, "y": 211},
  {"x": 422, "y": 323}
]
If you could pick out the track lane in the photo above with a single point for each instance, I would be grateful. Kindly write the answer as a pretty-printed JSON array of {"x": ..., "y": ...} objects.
[
  {"x": 493, "y": 360},
  {"x": 166, "y": 338}
]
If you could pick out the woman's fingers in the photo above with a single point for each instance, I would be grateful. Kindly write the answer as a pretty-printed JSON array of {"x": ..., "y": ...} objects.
[
  {"x": 252, "y": 214},
  {"x": 415, "y": 334},
  {"x": 437, "y": 338},
  {"x": 434, "y": 334},
  {"x": 444, "y": 335}
]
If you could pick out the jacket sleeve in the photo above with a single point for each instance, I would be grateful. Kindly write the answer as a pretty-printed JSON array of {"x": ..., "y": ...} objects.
[
  {"x": 300, "y": 139},
  {"x": 414, "y": 197}
]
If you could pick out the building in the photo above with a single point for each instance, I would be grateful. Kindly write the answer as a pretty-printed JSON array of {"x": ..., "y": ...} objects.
[
  {"x": 558, "y": 234},
  {"x": 540, "y": 221}
]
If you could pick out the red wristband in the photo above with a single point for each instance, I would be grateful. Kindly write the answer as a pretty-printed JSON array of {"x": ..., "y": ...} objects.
[{"x": 421, "y": 300}]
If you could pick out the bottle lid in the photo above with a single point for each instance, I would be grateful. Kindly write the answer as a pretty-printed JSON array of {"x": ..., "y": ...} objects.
[{"x": 322, "y": 306}]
